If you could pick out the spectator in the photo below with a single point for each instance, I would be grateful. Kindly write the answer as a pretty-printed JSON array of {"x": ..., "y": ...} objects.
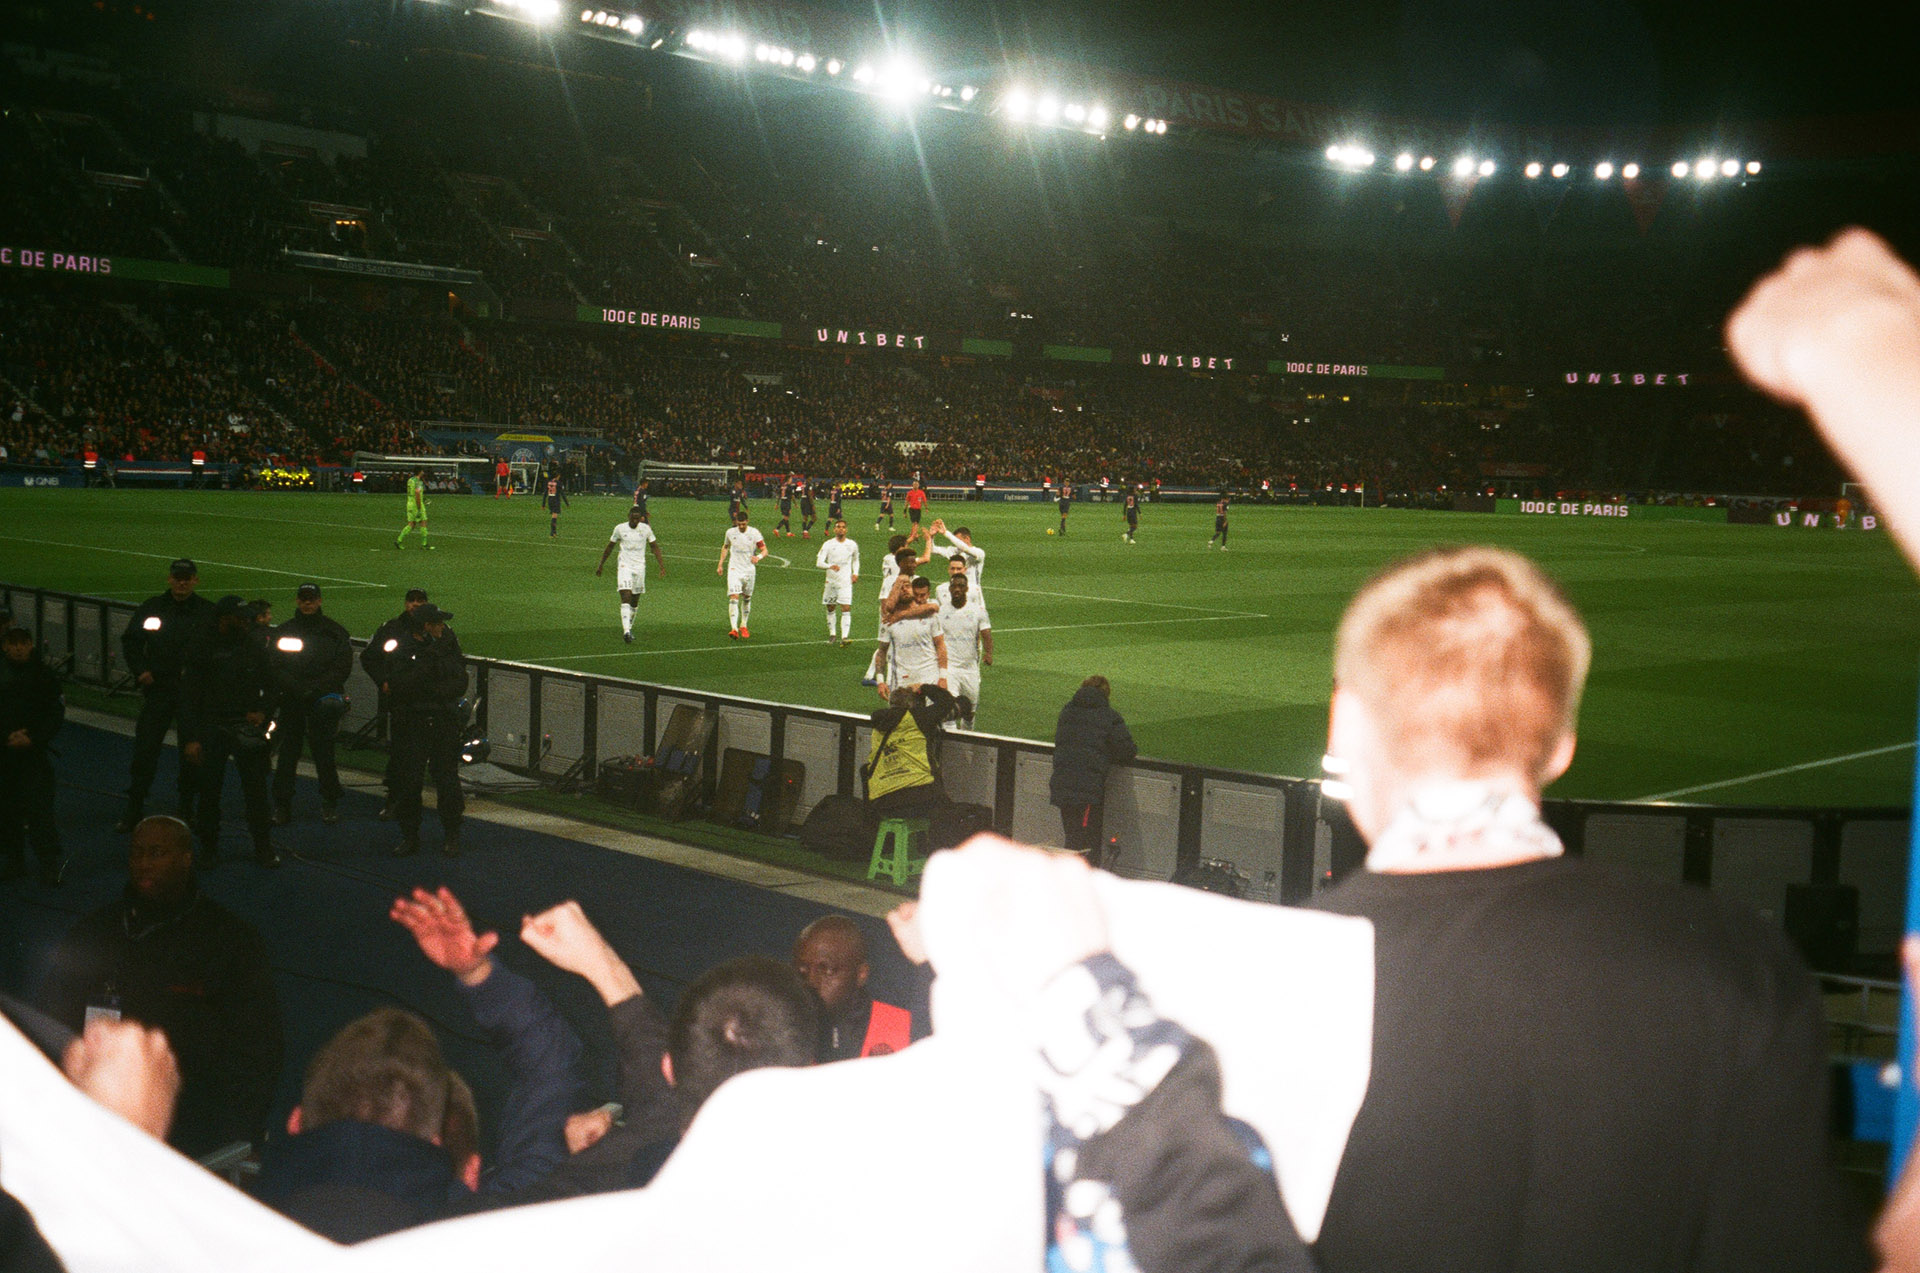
[
  {"x": 1533, "y": 1010},
  {"x": 831, "y": 957},
  {"x": 1088, "y": 738},
  {"x": 385, "y": 1136},
  {"x": 903, "y": 760},
  {"x": 31, "y": 713},
  {"x": 171, "y": 958}
]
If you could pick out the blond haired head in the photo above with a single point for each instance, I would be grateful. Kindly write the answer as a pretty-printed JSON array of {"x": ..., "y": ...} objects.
[{"x": 1468, "y": 662}]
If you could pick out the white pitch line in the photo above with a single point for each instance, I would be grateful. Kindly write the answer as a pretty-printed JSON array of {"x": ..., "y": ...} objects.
[
  {"x": 1127, "y": 601},
  {"x": 440, "y": 534},
  {"x": 1775, "y": 773},
  {"x": 225, "y": 565},
  {"x": 769, "y": 645}
]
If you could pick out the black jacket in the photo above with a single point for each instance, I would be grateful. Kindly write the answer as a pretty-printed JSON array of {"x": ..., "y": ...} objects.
[
  {"x": 353, "y": 1181},
  {"x": 374, "y": 658},
  {"x": 423, "y": 673},
  {"x": 160, "y": 632},
  {"x": 199, "y": 972},
  {"x": 1088, "y": 737},
  {"x": 225, "y": 678},
  {"x": 322, "y": 664},
  {"x": 30, "y": 700}
]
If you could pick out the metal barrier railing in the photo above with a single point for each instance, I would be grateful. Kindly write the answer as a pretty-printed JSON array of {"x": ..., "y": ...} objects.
[{"x": 1275, "y": 831}]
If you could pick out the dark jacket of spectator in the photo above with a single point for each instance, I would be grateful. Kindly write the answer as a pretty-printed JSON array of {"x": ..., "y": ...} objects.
[
  {"x": 161, "y": 648},
  {"x": 199, "y": 972},
  {"x": 322, "y": 664},
  {"x": 1088, "y": 738},
  {"x": 628, "y": 1155},
  {"x": 30, "y": 700},
  {"x": 351, "y": 1181}
]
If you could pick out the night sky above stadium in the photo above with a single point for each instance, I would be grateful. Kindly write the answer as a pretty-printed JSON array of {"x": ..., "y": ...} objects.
[{"x": 1517, "y": 62}]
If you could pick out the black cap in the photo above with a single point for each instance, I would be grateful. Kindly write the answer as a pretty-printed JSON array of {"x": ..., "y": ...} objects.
[
  {"x": 184, "y": 569},
  {"x": 416, "y": 594},
  {"x": 431, "y": 613},
  {"x": 232, "y": 605},
  {"x": 307, "y": 592}
]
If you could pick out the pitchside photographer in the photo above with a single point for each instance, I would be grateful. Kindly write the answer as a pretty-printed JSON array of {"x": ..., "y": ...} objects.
[{"x": 313, "y": 656}]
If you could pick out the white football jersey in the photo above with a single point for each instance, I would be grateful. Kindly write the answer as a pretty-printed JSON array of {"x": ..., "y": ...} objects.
[
  {"x": 743, "y": 544},
  {"x": 943, "y": 594},
  {"x": 962, "y": 628},
  {"x": 633, "y": 541},
  {"x": 842, "y": 553},
  {"x": 976, "y": 559},
  {"x": 911, "y": 660},
  {"x": 889, "y": 571}
]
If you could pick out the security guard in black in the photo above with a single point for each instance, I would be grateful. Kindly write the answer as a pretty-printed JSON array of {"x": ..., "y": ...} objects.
[
  {"x": 313, "y": 656},
  {"x": 426, "y": 677},
  {"x": 227, "y": 698},
  {"x": 154, "y": 645}
]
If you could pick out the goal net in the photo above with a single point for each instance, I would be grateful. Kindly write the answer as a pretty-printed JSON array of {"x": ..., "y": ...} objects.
[
  {"x": 689, "y": 479},
  {"x": 446, "y": 474}
]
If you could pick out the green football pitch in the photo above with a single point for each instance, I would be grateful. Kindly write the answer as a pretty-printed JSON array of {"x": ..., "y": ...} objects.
[{"x": 1732, "y": 664}]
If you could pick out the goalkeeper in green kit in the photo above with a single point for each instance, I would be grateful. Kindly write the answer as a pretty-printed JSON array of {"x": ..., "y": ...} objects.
[{"x": 416, "y": 510}]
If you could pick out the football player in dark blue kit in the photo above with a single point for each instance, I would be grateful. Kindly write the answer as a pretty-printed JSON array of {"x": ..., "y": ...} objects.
[
  {"x": 1131, "y": 506},
  {"x": 1065, "y": 501},
  {"x": 833, "y": 505},
  {"x": 806, "y": 509},
  {"x": 785, "y": 525}
]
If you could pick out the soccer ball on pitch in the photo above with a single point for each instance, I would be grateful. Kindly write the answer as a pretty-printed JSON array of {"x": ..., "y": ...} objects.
[{"x": 1049, "y": 530}]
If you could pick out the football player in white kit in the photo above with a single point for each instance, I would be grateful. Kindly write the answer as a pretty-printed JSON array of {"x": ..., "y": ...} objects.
[
  {"x": 632, "y": 537},
  {"x": 739, "y": 555},
  {"x": 962, "y": 549},
  {"x": 913, "y": 652},
  {"x": 969, "y": 643},
  {"x": 889, "y": 573},
  {"x": 840, "y": 558}
]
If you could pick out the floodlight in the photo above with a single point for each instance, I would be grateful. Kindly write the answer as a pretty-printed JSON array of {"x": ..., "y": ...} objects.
[
  {"x": 761, "y": 53},
  {"x": 1333, "y": 153},
  {"x": 1048, "y": 110},
  {"x": 542, "y": 12},
  {"x": 1753, "y": 167},
  {"x": 863, "y": 74},
  {"x": 1426, "y": 163},
  {"x": 697, "y": 39},
  {"x": 1097, "y": 117},
  {"x": 968, "y": 92},
  {"x": 1534, "y": 170},
  {"x": 1403, "y": 162},
  {"x": 1631, "y": 172},
  {"x": 1679, "y": 168},
  {"x": 1486, "y": 167},
  {"x": 1130, "y": 123},
  {"x": 1075, "y": 113},
  {"x": 1603, "y": 171},
  {"x": 586, "y": 15},
  {"x": 1560, "y": 171},
  {"x": 805, "y": 63},
  {"x": 1160, "y": 126},
  {"x": 634, "y": 24},
  {"x": 1463, "y": 166},
  {"x": 787, "y": 57},
  {"x": 1015, "y": 104},
  {"x": 1705, "y": 168},
  {"x": 1729, "y": 167},
  {"x": 833, "y": 66}
]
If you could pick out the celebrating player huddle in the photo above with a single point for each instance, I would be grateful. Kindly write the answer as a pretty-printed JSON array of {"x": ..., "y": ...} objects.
[{"x": 927, "y": 636}]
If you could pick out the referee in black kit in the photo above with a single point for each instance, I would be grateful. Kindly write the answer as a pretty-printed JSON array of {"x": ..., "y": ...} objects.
[
  {"x": 154, "y": 646},
  {"x": 426, "y": 677}
]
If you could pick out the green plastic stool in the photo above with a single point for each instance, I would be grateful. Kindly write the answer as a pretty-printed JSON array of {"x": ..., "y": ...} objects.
[{"x": 894, "y": 848}]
